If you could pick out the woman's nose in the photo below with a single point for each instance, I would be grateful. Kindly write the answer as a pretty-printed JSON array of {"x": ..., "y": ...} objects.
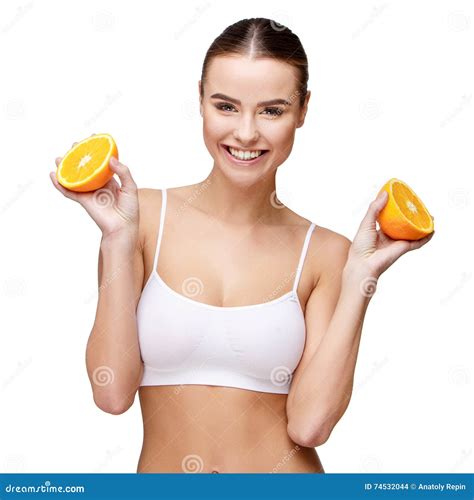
[{"x": 246, "y": 132}]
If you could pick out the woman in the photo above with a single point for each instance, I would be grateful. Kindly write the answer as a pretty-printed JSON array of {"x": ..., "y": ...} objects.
[{"x": 241, "y": 338}]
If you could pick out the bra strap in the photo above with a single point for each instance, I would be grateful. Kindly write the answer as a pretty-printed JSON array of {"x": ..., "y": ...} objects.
[
  {"x": 302, "y": 257},
  {"x": 160, "y": 231}
]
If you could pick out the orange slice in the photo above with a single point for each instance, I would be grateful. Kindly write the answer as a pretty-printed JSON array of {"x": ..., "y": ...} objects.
[
  {"x": 85, "y": 167},
  {"x": 404, "y": 217}
]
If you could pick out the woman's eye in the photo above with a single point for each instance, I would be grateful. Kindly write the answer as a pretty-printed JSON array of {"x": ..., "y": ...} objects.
[
  {"x": 229, "y": 107},
  {"x": 275, "y": 111},
  {"x": 221, "y": 106}
]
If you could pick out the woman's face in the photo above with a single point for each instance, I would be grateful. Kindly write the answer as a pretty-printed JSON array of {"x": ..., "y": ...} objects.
[{"x": 251, "y": 106}]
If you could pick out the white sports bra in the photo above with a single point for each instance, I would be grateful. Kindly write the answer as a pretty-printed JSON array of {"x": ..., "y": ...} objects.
[{"x": 183, "y": 341}]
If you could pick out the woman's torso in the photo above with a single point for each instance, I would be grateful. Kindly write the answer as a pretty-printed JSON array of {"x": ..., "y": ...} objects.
[{"x": 204, "y": 428}]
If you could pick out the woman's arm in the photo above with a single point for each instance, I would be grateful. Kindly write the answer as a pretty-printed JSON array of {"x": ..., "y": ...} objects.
[
  {"x": 323, "y": 390},
  {"x": 113, "y": 357},
  {"x": 320, "y": 396}
]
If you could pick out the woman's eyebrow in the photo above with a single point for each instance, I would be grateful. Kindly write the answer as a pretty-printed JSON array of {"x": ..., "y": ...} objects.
[{"x": 263, "y": 103}]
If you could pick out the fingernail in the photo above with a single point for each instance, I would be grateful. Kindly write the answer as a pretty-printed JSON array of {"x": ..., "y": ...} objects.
[{"x": 113, "y": 161}]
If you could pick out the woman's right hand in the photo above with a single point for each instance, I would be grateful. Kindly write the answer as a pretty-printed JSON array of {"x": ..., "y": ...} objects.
[{"x": 114, "y": 208}]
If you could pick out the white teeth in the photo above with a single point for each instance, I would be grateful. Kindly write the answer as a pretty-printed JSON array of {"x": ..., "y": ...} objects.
[{"x": 244, "y": 155}]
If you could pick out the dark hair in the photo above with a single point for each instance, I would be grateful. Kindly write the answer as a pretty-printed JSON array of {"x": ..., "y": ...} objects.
[{"x": 260, "y": 37}]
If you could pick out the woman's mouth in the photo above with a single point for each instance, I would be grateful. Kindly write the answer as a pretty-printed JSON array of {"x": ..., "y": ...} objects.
[{"x": 240, "y": 157}]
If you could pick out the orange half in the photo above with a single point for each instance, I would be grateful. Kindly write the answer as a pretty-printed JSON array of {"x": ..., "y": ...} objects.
[
  {"x": 85, "y": 167},
  {"x": 404, "y": 217}
]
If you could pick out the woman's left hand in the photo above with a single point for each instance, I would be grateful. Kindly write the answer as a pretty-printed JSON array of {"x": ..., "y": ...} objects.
[{"x": 374, "y": 250}]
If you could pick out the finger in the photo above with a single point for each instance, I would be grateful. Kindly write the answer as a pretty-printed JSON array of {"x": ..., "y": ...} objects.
[
  {"x": 123, "y": 172},
  {"x": 66, "y": 192},
  {"x": 419, "y": 243},
  {"x": 374, "y": 209},
  {"x": 428, "y": 237}
]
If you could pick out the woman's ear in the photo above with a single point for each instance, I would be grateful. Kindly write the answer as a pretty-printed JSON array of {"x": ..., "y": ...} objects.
[{"x": 304, "y": 110}]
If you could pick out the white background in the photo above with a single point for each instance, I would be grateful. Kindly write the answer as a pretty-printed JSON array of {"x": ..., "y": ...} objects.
[{"x": 392, "y": 87}]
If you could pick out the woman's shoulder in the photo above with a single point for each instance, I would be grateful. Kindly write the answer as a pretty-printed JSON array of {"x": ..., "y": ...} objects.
[
  {"x": 150, "y": 203},
  {"x": 330, "y": 248},
  {"x": 327, "y": 242},
  {"x": 330, "y": 237},
  {"x": 149, "y": 196},
  {"x": 323, "y": 246},
  {"x": 322, "y": 237}
]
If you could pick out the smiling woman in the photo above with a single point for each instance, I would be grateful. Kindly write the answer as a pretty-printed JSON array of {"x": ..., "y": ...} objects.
[
  {"x": 222, "y": 275},
  {"x": 248, "y": 123},
  {"x": 217, "y": 369},
  {"x": 236, "y": 320}
]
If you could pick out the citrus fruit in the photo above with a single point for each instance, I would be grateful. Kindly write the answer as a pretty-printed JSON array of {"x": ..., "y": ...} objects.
[
  {"x": 404, "y": 217},
  {"x": 85, "y": 167}
]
